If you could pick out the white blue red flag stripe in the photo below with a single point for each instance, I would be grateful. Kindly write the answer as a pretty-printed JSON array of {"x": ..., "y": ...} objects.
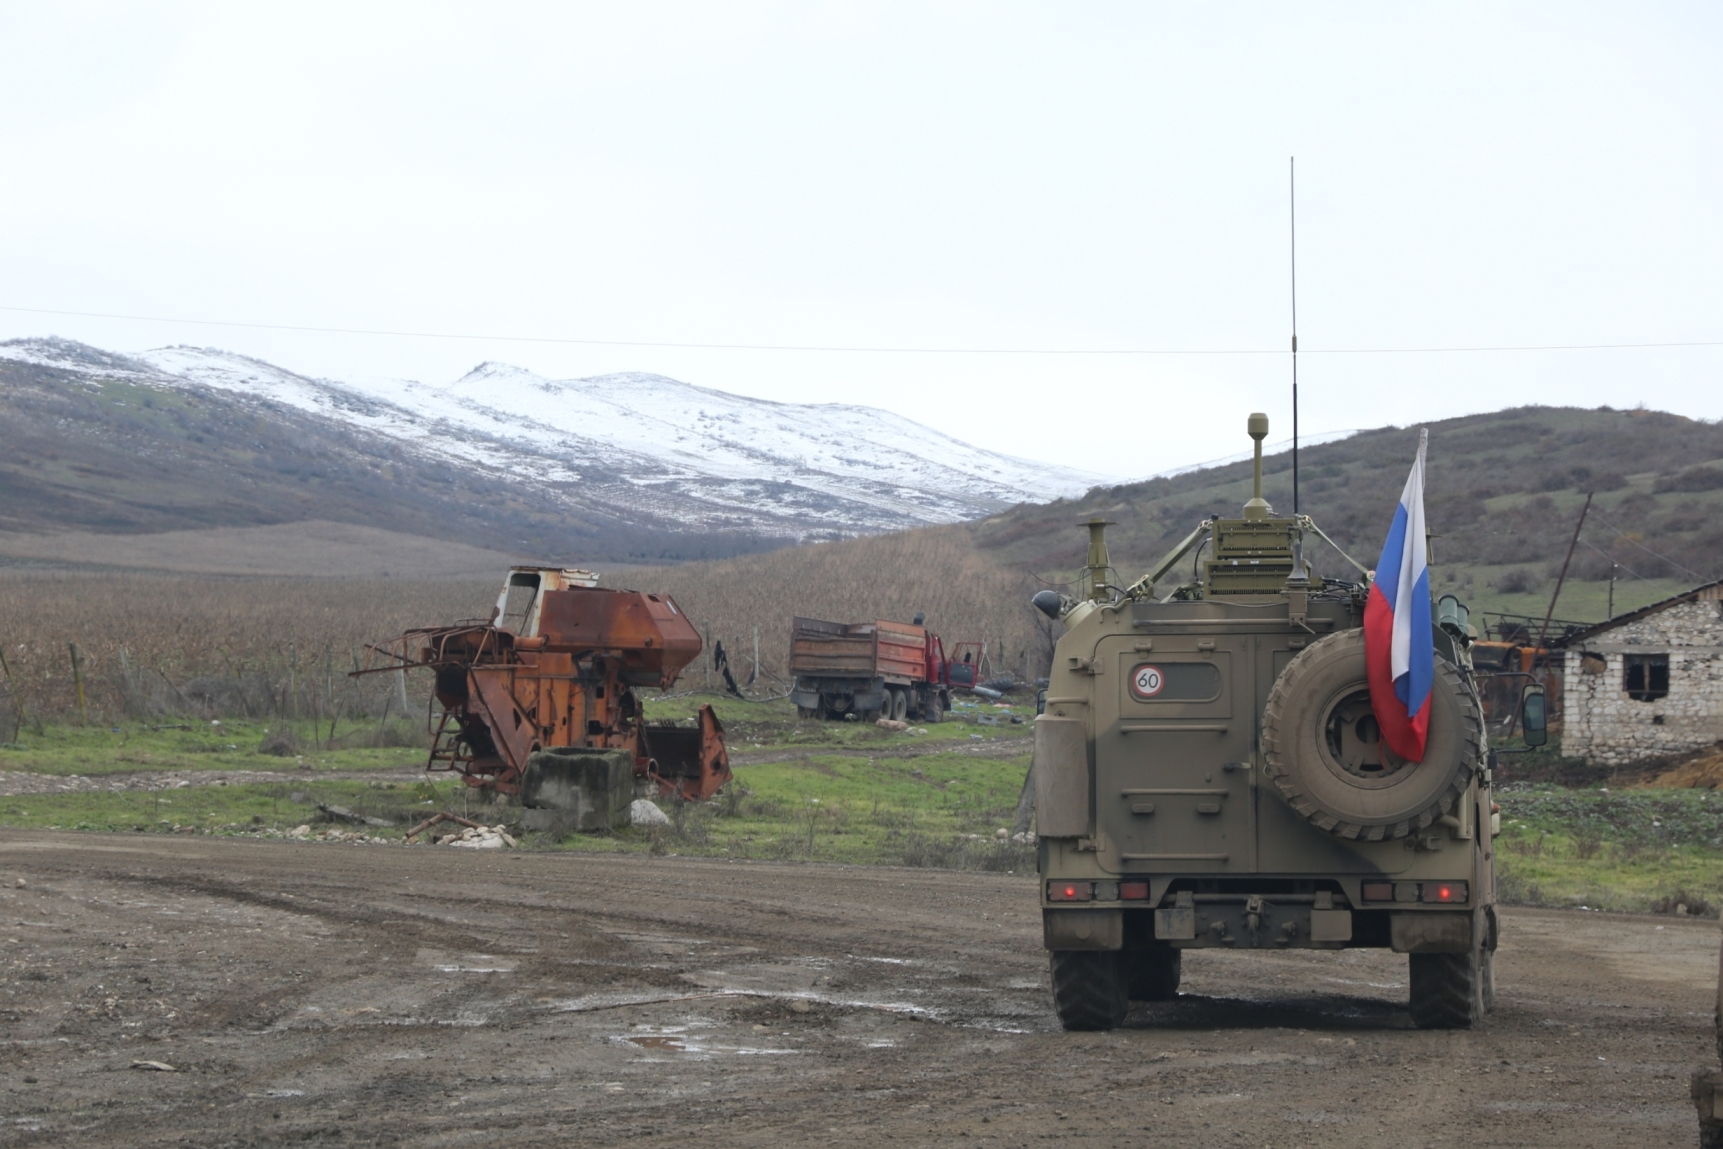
[{"x": 1399, "y": 655}]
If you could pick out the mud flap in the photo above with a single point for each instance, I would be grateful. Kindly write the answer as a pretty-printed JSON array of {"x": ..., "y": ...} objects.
[
  {"x": 1430, "y": 933},
  {"x": 1083, "y": 929}
]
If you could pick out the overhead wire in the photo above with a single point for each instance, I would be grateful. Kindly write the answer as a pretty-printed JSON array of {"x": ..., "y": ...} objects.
[
  {"x": 845, "y": 349},
  {"x": 1631, "y": 541}
]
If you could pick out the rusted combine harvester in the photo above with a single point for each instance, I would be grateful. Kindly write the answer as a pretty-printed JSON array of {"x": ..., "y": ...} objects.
[{"x": 556, "y": 665}]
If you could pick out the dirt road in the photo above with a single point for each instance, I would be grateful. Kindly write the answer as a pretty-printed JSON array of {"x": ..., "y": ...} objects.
[{"x": 322, "y": 994}]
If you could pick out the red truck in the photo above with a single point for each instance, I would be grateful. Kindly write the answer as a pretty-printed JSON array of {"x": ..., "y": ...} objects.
[{"x": 872, "y": 670}]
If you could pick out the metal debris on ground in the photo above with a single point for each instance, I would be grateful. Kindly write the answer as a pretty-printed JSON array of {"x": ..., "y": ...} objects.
[
  {"x": 343, "y": 814},
  {"x": 555, "y": 666}
]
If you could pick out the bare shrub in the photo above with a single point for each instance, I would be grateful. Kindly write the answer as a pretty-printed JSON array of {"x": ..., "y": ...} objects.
[
  {"x": 1684, "y": 901},
  {"x": 280, "y": 742},
  {"x": 1517, "y": 582},
  {"x": 989, "y": 854}
]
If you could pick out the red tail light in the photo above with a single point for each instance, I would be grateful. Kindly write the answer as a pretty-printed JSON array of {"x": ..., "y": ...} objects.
[
  {"x": 1444, "y": 892},
  {"x": 1378, "y": 891},
  {"x": 1133, "y": 891},
  {"x": 1070, "y": 891}
]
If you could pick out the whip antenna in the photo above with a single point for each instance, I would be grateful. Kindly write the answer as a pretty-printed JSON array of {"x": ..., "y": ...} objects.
[{"x": 1292, "y": 205}]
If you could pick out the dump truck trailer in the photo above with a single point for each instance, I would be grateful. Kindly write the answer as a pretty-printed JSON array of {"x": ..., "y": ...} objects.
[{"x": 870, "y": 670}]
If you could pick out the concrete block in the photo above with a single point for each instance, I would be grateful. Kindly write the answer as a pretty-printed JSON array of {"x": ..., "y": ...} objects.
[{"x": 585, "y": 789}]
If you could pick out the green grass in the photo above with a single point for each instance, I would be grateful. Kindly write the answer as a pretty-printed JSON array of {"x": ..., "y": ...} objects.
[
  {"x": 836, "y": 792},
  {"x": 232, "y": 744},
  {"x": 840, "y": 792},
  {"x": 1635, "y": 850},
  {"x": 234, "y": 809}
]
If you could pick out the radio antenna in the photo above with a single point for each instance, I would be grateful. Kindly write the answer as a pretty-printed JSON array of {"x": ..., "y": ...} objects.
[{"x": 1292, "y": 205}]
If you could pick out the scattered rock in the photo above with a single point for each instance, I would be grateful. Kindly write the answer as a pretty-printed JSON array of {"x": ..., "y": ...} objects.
[
  {"x": 157, "y": 1066},
  {"x": 479, "y": 838},
  {"x": 800, "y": 1005},
  {"x": 20, "y": 883},
  {"x": 299, "y": 832},
  {"x": 1002, "y": 834},
  {"x": 643, "y": 812}
]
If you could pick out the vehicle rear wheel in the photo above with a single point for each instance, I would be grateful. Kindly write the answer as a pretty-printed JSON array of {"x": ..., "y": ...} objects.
[
  {"x": 900, "y": 704},
  {"x": 1447, "y": 989},
  {"x": 935, "y": 709},
  {"x": 807, "y": 712},
  {"x": 1089, "y": 988},
  {"x": 1153, "y": 973}
]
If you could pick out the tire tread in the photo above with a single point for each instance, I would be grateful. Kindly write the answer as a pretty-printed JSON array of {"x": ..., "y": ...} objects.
[
  {"x": 1089, "y": 988},
  {"x": 1277, "y": 766},
  {"x": 1445, "y": 991}
]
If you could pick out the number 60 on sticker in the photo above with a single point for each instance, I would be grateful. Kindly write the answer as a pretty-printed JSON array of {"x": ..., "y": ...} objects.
[{"x": 1146, "y": 681}]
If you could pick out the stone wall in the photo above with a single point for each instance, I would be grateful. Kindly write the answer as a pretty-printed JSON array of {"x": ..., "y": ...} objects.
[{"x": 1602, "y": 724}]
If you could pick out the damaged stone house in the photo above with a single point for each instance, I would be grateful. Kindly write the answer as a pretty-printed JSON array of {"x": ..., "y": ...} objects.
[{"x": 1647, "y": 684}]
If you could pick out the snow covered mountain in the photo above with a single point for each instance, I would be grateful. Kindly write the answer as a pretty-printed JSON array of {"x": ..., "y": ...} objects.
[{"x": 640, "y": 448}]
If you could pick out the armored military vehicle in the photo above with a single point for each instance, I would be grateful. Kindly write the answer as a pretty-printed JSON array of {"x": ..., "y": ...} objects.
[{"x": 1209, "y": 774}]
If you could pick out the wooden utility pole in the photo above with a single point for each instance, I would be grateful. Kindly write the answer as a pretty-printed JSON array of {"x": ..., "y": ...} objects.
[{"x": 1550, "y": 613}]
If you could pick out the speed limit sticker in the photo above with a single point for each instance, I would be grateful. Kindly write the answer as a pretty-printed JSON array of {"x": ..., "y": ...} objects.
[{"x": 1146, "y": 681}]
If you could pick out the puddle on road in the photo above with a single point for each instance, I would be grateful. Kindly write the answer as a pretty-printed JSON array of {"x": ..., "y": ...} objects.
[
  {"x": 659, "y": 1041},
  {"x": 679, "y": 1039},
  {"x": 464, "y": 963}
]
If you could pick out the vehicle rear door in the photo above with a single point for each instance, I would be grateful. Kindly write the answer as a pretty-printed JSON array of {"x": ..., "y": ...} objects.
[{"x": 1175, "y": 728}]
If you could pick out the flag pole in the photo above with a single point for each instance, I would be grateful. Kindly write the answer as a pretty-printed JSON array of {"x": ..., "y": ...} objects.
[{"x": 1292, "y": 215}]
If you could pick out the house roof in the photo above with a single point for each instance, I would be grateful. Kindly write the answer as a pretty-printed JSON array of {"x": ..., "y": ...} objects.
[{"x": 1579, "y": 637}]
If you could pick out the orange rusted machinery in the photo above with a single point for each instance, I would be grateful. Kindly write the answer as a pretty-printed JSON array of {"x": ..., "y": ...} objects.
[{"x": 556, "y": 665}]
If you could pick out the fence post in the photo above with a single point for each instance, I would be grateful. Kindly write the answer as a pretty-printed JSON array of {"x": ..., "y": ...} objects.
[
  {"x": 12, "y": 689},
  {"x": 78, "y": 682}
]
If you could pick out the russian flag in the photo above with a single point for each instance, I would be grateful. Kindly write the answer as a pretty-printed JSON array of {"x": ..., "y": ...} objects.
[{"x": 1399, "y": 656}]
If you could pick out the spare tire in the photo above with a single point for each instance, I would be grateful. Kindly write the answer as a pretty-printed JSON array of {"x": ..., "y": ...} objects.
[{"x": 1324, "y": 750}]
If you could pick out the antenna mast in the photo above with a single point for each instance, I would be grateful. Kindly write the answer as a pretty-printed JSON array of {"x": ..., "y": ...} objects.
[{"x": 1292, "y": 205}]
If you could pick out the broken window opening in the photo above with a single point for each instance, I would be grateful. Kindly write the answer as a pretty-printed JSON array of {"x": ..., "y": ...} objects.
[
  {"x": 1645, "y": 677},
  {"x": 517, "y": 604}
]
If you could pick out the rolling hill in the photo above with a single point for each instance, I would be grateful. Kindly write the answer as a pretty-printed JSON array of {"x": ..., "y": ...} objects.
[
  {"x": 1504, "y": 491},
  {"x": 619, "y": 467}
]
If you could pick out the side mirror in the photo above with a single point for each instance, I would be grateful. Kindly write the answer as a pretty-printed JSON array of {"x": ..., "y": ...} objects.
[
  {"x": 1041, "y": 701},
  {"x": 1534, "y": 715}
]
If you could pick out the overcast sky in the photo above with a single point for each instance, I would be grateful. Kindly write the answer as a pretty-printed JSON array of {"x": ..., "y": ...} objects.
[{"x": 1069, "y": 177}]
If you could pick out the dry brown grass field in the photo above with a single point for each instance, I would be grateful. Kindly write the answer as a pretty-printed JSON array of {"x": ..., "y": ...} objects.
[
  {"x": 966, "y": 594},
  {"x": 313, "y": 548},
  {"x": 155, "y": 644},
  {"x": 152, "y": 644}
]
